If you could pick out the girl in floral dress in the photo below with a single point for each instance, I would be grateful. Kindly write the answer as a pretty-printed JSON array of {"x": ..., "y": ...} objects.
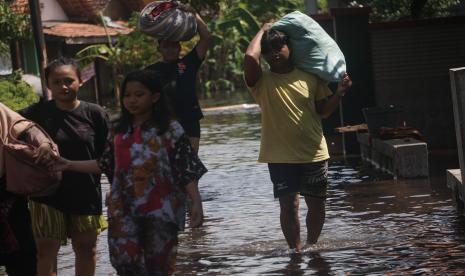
[{"x": 152, "y": 168}]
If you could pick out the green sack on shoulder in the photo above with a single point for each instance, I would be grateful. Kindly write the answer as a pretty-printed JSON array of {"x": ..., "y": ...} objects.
[{"x": 312, "y": 49}]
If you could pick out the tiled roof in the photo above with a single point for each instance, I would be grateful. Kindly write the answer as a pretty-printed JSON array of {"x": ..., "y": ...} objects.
[
  {"x": 72, "y": 8},
  {"x": 82, "y": 8},
  {"x": 20, "y": 6},
  {"x": 81, "y": 30}
]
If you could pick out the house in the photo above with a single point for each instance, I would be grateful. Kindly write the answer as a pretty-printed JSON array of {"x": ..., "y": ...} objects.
[{"x": 68, "y": 27}]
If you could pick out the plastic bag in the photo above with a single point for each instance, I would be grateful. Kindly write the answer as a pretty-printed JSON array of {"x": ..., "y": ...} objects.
[
  {"x": 312, "y": 49},
  {"x": 168, "y": 20}
]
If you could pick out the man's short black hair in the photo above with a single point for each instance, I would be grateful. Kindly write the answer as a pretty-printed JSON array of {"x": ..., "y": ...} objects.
[
  {"x": 273, "y": 40},
  {"x": 60, "y": 61}
]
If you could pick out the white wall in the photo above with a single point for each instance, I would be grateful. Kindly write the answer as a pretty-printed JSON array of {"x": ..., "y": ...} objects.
[
  {"x": 5, "y": 64},
  {"x": 52, "y": 11}
]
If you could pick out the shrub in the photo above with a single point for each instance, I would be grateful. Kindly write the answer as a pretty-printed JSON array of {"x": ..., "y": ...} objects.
[{"x": 16, "y": 94}]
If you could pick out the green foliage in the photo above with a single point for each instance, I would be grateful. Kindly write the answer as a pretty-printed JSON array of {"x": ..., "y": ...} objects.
[
  {"x": 393, "y": 10},
  {"x": 130, "y": 51},
  {"x": 323, "y": 5},
  {"x": 13, "y": 26},
  {"x": 138, "y": 49},
  {"x": 232, "y": 31},
  {"x": 265, "y": 10},
  {"x": 268, "y": 10},
  {"x": 207, "y": 8},
  {"x": 231, "y": 34},
  {"x": 16, "y": 93}
]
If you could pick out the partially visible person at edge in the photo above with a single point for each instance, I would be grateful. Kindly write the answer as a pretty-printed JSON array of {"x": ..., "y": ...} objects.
[
  {"x": 80, "y": 130},
  {"x": 292, "y": 104},
  {"x": 17, "y": 246},
  {"x": 182, "y": 73},
  {"x": 153, "y": 168}
]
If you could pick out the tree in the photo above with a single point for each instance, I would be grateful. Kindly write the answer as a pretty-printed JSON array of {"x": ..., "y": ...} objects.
[
  {"x": 130, "y": 51},
  {"x": 13, "y": 26},
  {"x": 393, "y": 10},
  {"x": 233, "y": 24},
  {"x": 231, "y": 35},
  {"x": 15, "y": 93}
]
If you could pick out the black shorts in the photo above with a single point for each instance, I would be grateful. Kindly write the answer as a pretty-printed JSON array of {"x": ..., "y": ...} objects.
[
  {"x": 192, "y": 128},
  {"x": 308, "y": 179}
]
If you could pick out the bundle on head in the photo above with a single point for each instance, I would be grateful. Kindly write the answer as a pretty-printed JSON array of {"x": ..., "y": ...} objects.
[{"x": 168, "y": 20}]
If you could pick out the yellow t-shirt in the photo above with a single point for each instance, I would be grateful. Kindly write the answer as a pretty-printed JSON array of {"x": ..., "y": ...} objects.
[{"x": 291, "y": 127}]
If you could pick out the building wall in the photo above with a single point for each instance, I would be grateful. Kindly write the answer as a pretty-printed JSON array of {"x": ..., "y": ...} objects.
[
  {"x": 52, "y": 11},
  {"x": 349, "y": 28},
  {"x": 411, "y": 62},
  {"x": 405, "y": 64}
]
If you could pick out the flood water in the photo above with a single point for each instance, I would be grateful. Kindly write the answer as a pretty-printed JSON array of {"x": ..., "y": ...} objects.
[{"x": 375, "y": 225}]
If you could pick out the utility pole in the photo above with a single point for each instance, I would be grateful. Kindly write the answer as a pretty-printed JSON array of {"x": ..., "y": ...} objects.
[{"x": 36, "y": 21}]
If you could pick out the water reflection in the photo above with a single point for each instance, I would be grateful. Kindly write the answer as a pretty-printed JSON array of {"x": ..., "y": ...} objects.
[
  {"x": 298, "y": 265},
  {"x": 375, "y": 225}
]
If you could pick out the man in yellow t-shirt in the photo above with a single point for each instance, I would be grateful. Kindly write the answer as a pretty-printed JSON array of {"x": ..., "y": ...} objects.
[{"x": 292, "y": 104}]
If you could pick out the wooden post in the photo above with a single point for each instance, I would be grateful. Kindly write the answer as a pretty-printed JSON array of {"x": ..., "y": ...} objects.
[
  {"x": 15, "y": 54},
  {"x": 36, "y": 21}
]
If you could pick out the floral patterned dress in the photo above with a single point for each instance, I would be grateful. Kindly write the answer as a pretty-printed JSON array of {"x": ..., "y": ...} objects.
[{"x": 147, "y": 202}]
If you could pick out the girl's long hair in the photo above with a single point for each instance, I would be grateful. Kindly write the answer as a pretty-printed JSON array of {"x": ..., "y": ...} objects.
[{"x": 161, "y": 114}]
